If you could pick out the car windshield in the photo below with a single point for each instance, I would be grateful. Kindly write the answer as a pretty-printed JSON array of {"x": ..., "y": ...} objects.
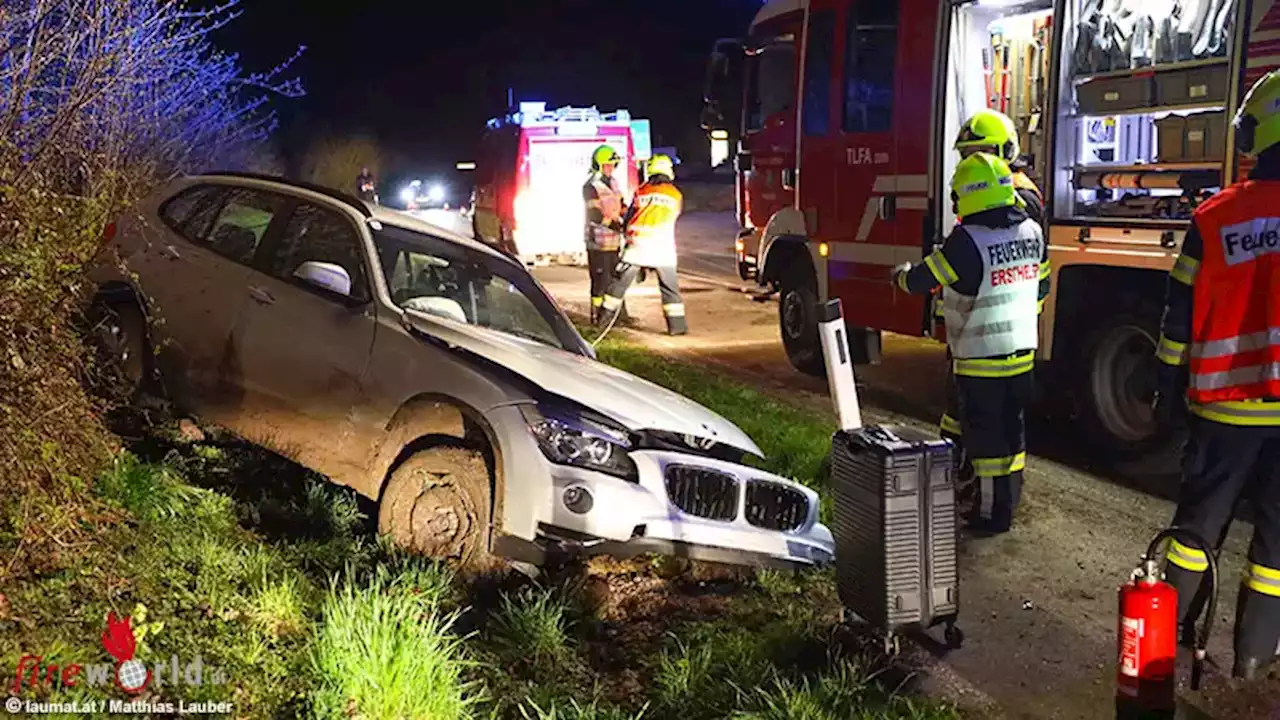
[{"x": 441, "y": 278}]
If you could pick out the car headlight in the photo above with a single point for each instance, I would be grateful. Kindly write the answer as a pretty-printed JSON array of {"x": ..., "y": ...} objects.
[{"x": 567, "y": 438}]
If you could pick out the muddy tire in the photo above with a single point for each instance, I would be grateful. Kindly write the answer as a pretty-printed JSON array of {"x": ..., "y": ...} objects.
[
  {"x": 118, "y": 329},
  {"x": 438, "y": 503},
  {"x": 798, "y": 318},
  {"x": 1117, "y": 376}
]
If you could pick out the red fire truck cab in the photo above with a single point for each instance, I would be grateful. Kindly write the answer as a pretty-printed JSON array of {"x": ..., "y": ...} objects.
[
  {"x": 529, "y": 177},
  {"x": 849, "y": 110}
]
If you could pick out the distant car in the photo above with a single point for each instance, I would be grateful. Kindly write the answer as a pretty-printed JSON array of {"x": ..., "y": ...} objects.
[
  {"x": 430, "y": 373},
  {"x": 419, "y": 197}
]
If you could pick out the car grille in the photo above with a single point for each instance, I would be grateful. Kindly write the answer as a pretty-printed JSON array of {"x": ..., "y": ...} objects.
[
  {"x": 775, "y": 507},
  {"x": 703, "y": 493}
]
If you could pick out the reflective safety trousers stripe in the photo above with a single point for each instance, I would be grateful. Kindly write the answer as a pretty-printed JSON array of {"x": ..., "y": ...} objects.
[
  {"x": 1262, "y": 579},
  {"x": 996, "y": 467},
  {"x": 995, "y": 367},
  {"x": 1187, "y": 557}
]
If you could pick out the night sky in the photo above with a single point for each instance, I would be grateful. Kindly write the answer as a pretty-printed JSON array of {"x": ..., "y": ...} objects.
[{"x": 425, "y": 75}]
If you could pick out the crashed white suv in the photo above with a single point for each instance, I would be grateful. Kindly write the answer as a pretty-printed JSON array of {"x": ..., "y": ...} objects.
[{"x": 429, "y": 373}]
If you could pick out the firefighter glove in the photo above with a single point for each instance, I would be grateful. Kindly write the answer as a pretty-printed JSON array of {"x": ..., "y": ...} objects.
[{"x": 899, "y": 270}]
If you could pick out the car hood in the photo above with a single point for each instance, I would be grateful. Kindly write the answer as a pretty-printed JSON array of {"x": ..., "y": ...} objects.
[{"x": 637, "y": 404}]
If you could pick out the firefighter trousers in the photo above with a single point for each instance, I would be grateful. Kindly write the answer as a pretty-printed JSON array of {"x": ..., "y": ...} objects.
[
  {"x": 668, "y": 285},
  {"x": 1222, "y": 464},
  {"x": 600, "y": 265},
  {"x": 949, "y": 425},
  {"x": 992, "y": 422}
]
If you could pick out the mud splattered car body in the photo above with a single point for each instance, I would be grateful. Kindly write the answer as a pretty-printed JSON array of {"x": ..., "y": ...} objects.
[{"x": 430, "y": 373}]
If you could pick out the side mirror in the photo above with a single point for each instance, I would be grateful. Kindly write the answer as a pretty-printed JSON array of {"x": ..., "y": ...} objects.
[
  {"x": 742, "y": 161},
  {"x": 325, "y": 276}
]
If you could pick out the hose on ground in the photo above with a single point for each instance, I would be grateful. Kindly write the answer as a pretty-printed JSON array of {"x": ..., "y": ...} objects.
[{"x": 613, "y": 320}]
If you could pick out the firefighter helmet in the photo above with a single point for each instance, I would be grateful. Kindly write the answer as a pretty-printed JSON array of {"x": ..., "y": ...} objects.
[
  {"x": 660, "y": 165},
  {"x": 989, "y": 131},
  {"x": 983, "y": 182},
  {"x": 604, "y": 155},
  {"x": 1258, "y": 120}
]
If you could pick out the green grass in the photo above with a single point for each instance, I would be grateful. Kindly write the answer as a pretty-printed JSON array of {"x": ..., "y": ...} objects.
[
  {"x": 386, "y": 650},
  {"x": 274, "y": 577}
]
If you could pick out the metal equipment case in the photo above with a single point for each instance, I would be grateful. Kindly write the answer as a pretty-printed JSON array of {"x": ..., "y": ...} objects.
[
  {"x": 895, "y": 530},
  {"x": 895, "y": 514}
]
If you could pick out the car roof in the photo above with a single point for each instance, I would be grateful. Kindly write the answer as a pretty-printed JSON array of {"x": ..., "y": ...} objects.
[{"x": 384, "y": 215}]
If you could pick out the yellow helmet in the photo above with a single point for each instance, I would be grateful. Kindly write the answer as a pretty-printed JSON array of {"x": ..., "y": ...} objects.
[
  {"x": 661, "y": 165},
  {"x": 1258, "y": 120},
  {"x": 989, "y": 131},
  {"x": 604, "y": 155},
  {"x": 983, "y": 182}
]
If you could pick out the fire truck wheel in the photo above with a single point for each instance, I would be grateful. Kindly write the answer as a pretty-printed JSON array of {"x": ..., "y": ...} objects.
[
  {"x": 798, "y": 319},
  {"x": 1117, "y": 368}
]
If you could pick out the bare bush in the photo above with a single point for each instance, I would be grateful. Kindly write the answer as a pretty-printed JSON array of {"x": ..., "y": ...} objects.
[
  {"x": 334, "y": 161},
  {"x": 100, "y": 100}
]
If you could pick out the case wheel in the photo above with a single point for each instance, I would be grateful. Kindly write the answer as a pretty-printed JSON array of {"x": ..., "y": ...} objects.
[
  {"x": 954, "y": 637},
  {"x": 892, "y": 645}
]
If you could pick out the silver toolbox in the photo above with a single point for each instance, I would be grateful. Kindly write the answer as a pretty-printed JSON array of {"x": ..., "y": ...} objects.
[{"x": 895, "y": 529}]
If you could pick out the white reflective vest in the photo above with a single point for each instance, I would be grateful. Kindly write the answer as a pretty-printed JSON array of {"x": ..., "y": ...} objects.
[{"x": 1003, "y": 317}]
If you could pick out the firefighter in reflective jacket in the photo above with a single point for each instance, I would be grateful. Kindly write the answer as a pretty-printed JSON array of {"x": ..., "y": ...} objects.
[
  {"x": 651, "y": 243},
  {"x": 991, "y": 132},
  {"x": 604, "y": 224},
  {"x": 1220, "y": 360},
  {"x": 989, "y": 271}
]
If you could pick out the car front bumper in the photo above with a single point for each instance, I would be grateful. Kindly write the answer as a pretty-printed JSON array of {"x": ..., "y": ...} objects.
[{"x": 626, "y": 518}]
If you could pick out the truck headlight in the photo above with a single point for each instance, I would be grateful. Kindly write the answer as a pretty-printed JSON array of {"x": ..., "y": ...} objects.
[{"x": 567, "y": 438}]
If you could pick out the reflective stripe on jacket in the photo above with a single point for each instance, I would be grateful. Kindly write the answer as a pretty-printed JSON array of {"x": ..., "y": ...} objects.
[
  {"x": 1003, "y": 317},
  {"x": 651, "y": 233},
  {"x": 608, "y": 203},
  {"x": 1234, "y": 348}
]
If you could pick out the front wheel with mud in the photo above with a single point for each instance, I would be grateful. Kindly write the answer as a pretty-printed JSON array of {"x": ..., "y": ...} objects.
[{"x": 438, "y": 503}]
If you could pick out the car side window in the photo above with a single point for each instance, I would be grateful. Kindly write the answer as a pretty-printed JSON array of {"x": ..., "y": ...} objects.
[
  {"x": 317, "y": 234},
  {"x": 179, "y": 209},
  {"x": 189, "y": 212},
  {"x": 241, "y": 222}
]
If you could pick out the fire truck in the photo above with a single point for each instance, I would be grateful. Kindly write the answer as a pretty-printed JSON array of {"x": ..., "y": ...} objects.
[
  {"x": 529, "y": 177},
  {"x": 848, "y": 112}
]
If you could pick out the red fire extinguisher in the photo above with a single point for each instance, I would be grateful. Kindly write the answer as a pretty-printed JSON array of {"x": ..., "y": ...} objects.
[{"x": 1147, "y": 636}]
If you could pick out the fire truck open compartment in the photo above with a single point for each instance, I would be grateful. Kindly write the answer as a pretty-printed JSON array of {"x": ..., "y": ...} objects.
[
  {"x": 998, "y": 57},
  {"x": 1142, "y": 100},
  {"x": 1141, "y": 89}
]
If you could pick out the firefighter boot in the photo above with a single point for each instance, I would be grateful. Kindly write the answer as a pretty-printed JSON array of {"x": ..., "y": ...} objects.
[
  {"x": 677, "y": 325},
  {"x": 1257, "y": 633}
]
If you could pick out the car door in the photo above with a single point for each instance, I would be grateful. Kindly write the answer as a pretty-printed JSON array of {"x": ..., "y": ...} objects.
[
  {"x": 303, "y": 350},
  {"x": 194, "y": 274}
]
